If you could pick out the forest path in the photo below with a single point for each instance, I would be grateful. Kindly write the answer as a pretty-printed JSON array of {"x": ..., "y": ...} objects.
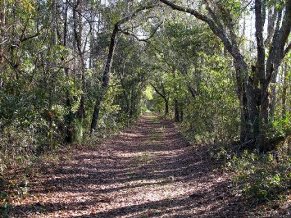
[{"x": 148, "y": 170}]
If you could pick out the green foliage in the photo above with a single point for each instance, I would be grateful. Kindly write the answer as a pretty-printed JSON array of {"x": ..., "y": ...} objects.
[
  {"x": 110, "y": 110},
  {"x": 5, "y": 206},
  {"x": 234, "y": 7},
  {"x": 216, "y": 103},
  {"x": 4, "y": 198},
  {"x": 283, "y": 125},
  {"x": 279, "y": 4},
  {"x": 148, "y": 92},
  {"x": 261, "y": 177}
]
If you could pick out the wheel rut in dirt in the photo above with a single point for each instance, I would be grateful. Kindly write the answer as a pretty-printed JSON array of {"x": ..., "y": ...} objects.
[{"x": 148, "y": 170}]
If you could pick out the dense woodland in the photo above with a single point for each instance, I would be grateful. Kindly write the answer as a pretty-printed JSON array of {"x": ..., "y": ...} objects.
[{"x": 73, "y": 72}]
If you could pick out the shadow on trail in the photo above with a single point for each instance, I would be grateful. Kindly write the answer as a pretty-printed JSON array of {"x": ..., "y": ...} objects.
[{"x": 146, "y": 171}]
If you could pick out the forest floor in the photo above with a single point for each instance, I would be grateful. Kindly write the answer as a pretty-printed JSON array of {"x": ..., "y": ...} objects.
[{"x": 148, "y": 170}]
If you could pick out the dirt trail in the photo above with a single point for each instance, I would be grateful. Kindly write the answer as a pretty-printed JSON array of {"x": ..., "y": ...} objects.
[{"x": 148, "y": 170}]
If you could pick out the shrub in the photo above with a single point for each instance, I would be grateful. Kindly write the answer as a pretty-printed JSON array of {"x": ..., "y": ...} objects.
[{"x": 261, "y": 177}]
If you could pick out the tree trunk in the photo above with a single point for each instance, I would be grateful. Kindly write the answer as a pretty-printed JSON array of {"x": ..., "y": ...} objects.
[
  {"x": 284, "y": 92},
  {"x": 2, "y": 37},
  {"x": 106, "y": 72},
  {"x": 273, "y": 98},
  {"x": 105, "y": 79},
  {"x": 2, "y": 29},
  {"x": 176, "y": 110},
  {"x": 181, "y": 114},
  {"x": 166, "y": 106},
  {"x": 78, "y": 29},
  {"x": 252, "y": 92},
  {"x": 69, "y": 118}
]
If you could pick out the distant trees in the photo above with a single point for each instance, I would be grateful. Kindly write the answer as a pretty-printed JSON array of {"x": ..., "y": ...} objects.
[
  {"x": 189, "y": 67},
  {"x": 107, "y": 68}
]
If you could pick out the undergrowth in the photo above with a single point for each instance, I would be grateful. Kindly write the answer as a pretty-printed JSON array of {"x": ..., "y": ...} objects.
[
  {"x": 259, "y": 177},
  {"x": 21, "y": 159}
]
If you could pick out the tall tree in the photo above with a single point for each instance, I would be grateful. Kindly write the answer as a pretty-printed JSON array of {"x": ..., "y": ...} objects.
[
  {"x": 252, "y": 81},
  {"x": 108, "y": 63}
]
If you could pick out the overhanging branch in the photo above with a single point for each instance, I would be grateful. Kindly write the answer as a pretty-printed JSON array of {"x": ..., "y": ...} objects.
[
  {"x": 139, "y": 39},
  {"x": 233, "y": 50}
]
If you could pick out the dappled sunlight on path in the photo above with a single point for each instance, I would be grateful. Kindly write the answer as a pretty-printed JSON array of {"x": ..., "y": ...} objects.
[{"x": 148, "y": 170}]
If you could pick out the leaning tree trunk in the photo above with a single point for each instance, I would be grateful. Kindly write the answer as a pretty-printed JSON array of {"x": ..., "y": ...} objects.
[
  {"x": 106, "y": 72},
  {"x": 164, "y": 96},
  {"x": 105, "y": 79}
]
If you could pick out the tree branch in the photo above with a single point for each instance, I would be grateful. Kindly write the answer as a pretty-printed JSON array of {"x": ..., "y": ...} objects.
[
  {"x": 259, "y": 23},
  {"x": 280, "y": 38},
  {"x": 231, "y": 48},
  {"x": 288, "y": 48},
  {"x": 108, "y": 63},
  {"x": 137, "y": 38},
  {"x": 157, "y": 91}
]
